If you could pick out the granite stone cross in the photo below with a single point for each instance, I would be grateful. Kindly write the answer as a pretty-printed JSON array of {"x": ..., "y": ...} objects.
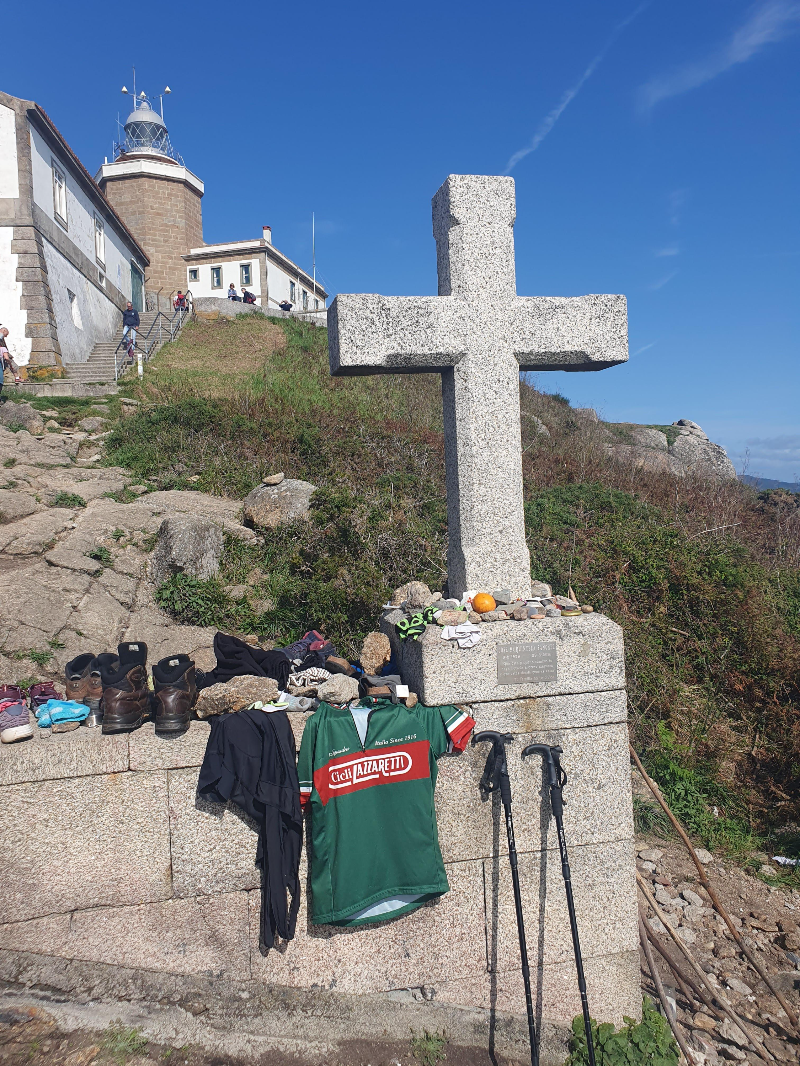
[{"x": 478, "y": 334}]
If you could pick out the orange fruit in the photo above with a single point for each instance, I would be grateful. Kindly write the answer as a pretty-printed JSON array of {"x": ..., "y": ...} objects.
[{"x": 483, "y": 602}]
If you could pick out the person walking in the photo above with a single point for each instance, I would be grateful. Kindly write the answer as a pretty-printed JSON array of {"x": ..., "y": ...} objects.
[
  {"x": 6, "y": 361},
  {"x": 130, "y": 323}
]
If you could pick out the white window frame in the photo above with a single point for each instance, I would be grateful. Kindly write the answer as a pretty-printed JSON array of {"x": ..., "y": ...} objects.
[
  {"x": 194, "y": 274},
  {"x": 100, "y": 241},
  {"x": 248, "y": 268},
  {"x": 305, "y": 300},
  {"x": 316, "y": 304},
  {"x": 221, "y": 282},
  {"x": 60, "y": 194},
  {"x": 292, "y": 291}
]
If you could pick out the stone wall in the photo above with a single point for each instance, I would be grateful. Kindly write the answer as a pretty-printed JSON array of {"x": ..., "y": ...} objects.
[
  {"x": 166, "y": 218},
  {"x": 111, "y": 859}
]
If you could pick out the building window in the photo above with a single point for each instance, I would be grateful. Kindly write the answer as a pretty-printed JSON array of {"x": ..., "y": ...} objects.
[
  {"x": 99, "y": 241},
  {"x": 216, "y": 277},
  {"x": 194, "y": 274},
  {"x": 305, "y": 300},
  {"x": 75, "y": 311},
  {"x": 316, "y": 305},
  {"x": 246, "y": 274},
  {"x": 60, "y": 195},
  {"x": 101, "y": 279},
  {"x": 292, "y": 291}
]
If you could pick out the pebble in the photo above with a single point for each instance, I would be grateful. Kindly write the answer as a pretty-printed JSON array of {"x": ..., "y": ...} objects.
[
  {"x": 552, "y": 612},
  {"x": 704, "y": 856},
  {"x": 520, "y": 614},
  {"x": 587, "y": 609},
  {"x": 692, "y": 897},
  {"x": 648, "y": 867},
  {"x": 273, "y": 479},
  {"x": 494, "y": 616},
  {"x": 564, "y": 601},
  {"x": 739, "y": 986},
  {"x": 473, "y": 617},
  {"x": 702, "y": 1021},
  {"x": 535, "y": 612},
  {"x": 650, "y": 854},
  {"x": 138, "y": 490},
  {"x": 540, "y": 588},
  {"x": 451, "y": 618},
  {"x": 502, "y": 596},
  {"x": 688, "y": 936}
]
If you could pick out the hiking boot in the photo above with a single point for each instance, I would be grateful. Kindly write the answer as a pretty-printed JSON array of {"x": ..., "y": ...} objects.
[
  {"x": 84, "y": 685},
  {"x": 15, "y": 721},
  {"x": 126, "y": 697},
  {"x": 176, "y": 693},
  {"x": 41, "y": 693}
]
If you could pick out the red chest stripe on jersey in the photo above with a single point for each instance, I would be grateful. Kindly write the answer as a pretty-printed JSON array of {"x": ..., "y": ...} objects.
[{"x": 377, "y": 766}]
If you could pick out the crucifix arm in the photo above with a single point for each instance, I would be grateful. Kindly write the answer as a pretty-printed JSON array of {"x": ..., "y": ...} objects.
[
  {"x": 570, "y": 333},
  {"x": 370, "y": 334}
]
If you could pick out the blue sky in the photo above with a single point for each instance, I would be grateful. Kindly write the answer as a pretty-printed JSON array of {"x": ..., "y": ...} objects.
[{"x": 654, "y": 148}]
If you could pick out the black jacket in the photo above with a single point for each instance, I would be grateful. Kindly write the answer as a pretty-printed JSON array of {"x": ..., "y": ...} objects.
[
  {"x": 250, "y": 760},
  {"x": 235, "y": 657},
  {"x": 130, "y": 318}
]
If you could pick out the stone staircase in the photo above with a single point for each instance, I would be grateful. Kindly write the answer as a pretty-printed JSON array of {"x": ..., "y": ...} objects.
[{"x": 99, "y": 367}]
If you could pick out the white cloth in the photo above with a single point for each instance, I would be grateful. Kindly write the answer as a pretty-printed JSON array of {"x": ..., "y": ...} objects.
[
  {"x": 315, "y": 675},
  {"x": 466, "y": 633}
]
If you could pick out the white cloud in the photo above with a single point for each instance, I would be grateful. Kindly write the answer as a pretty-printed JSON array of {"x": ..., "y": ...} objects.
[
  {"x": 767, "y": 23},
  {"x": 550, "y": 120},
  {"x": 672, "y": 250},
  {"x": 662, "y": 281},
  {"x": 643, "y": 349}
]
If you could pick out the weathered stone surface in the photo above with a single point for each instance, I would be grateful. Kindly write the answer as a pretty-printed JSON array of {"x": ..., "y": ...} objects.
[
  {"x": 43, "y": 597},
  {"x": 478, "y": 337},
  {"x": 72, "y": 560},
  {"x": 21, "y": 414},
  {"x": 52, "y": 450},
  {"x": 14, "y": 505},
  {"x": 598, "y": 793},
  {"x": 58, "y": 836},
  {"x": 32, "y": 535},
  {"x": 81, "y": 753},
  {"x": 376, "y": 651},
  {"x": 235, "y": 694},
  {"x": 182, "y": 936},
  {"x": 646, "y": 437},
  {"x": 100, "y": 618},
  {"x": 338, "y": 689},
  {"x": 589, "y": 653},
  {"x": 413, "y": 595},
  {"x": 269, "y": 506},
  {"x": 273, "y": 479},
  {"x": 213, "y": 844},
  {"x": 701, "y": 456},
  {"x": 92, "y": 424},
  {"x": 122, "y": 588},
  {"x": 187, "y": 544},
  {"x": 149, "y": 752}
]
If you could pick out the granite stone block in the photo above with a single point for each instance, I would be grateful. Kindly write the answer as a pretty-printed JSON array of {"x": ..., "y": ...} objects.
[
  {"x": 612, "y": 984},
  {"x": 82, "y": 843},
  {"x": 442, "y": 940},
  {"x": 546, "y": 713},
  {"x": 598, "y": 794},
  {"x": 181, "y": 936},
  {"x": 81, "y": 753},
  {"x": 589, "y": 651},
  {"x": 213, "y": 845},
  {"x": 149, "y": 752}
]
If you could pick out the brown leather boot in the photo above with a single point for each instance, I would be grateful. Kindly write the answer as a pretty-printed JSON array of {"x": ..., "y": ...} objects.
[
  {"x": 83, "y": 684},
  {"x": 176, "y": 694},
  {"x": 126, "y": 697}
]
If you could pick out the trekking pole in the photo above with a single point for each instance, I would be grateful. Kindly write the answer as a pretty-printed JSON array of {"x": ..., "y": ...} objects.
[
  {"x": 495, "y": 777},
  {"x": 557, "y": 779}
]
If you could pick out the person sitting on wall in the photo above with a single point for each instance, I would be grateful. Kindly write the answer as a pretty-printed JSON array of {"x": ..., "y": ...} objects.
[
  {"x": 233, "y": 294},
  {"x": 285, "y": 305},
  {"x": 180, "y": 301},
  {"x": 130, "y": 323},
  {"x": 248, "y": 297}
]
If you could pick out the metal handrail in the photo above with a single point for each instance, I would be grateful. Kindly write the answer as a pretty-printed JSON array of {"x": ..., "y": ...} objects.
[{"x": 153, "y": 339}]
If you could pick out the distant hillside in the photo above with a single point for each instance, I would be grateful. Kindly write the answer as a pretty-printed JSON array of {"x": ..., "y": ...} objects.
[
  {"x": 767, "y": 483},
  {"x": 703, "y": 574}
]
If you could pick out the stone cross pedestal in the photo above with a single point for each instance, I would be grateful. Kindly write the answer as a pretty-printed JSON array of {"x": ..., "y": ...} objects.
[{"x": 478, "y": 334}]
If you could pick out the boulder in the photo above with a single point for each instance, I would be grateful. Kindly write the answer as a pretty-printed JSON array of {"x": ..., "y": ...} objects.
[
  {"x": 538, "y": 426},
  {"x": 14, "y": 505},
  {"x": 22, "y": 414},
  {"x": 269, "y": 506},
  {"x": 92, "y": 424},
  {"x": 698, "y": 455},
  {"x": 646, "y": 437},
  {"x": 376, "y": 651},
  {"x": 187, "y": 544},
  {"x": 413, "y": 596},
  {"x": 338, "y": 689},
  {"x": 235, "y": 695}
]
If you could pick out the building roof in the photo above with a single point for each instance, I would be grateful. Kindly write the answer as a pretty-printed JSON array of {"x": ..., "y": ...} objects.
[
  {"x": 46, "y": 125},
  {"x": 237, "y": 248}
]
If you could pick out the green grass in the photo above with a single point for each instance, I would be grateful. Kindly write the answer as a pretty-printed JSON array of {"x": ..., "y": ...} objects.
[
  {"x": 429, "y": 1049},
  {"x": 68, "y": 499},
  {"x": 646, "y": 1043},
  {"x": 101, "y": 554},
  {"x": 122, "y": 1042}
]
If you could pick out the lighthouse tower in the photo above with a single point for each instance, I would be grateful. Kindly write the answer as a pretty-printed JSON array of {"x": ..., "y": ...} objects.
[{"x": 158, "y": 198}]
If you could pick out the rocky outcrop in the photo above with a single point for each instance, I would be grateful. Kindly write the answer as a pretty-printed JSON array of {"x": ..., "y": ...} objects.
[
  {"x": 21, "y": 414},
  {"x": 269, "y": 506},
  {"x": 187, "y": 544},
  {"x": 690, "y": 454}
]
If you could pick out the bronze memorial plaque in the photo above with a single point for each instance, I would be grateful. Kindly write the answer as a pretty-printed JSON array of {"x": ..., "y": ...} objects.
[{"x": 524, "y": 664}]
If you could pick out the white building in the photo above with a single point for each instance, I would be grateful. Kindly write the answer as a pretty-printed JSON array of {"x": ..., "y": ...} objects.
[
  {"x": 257, "y": 266},
  {"x": 68, "y": 263}
]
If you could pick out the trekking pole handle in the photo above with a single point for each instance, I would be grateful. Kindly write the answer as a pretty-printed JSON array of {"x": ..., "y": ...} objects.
[
  {"x": 499, "y": 767},
  {"x": 551, "y": 754}
]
